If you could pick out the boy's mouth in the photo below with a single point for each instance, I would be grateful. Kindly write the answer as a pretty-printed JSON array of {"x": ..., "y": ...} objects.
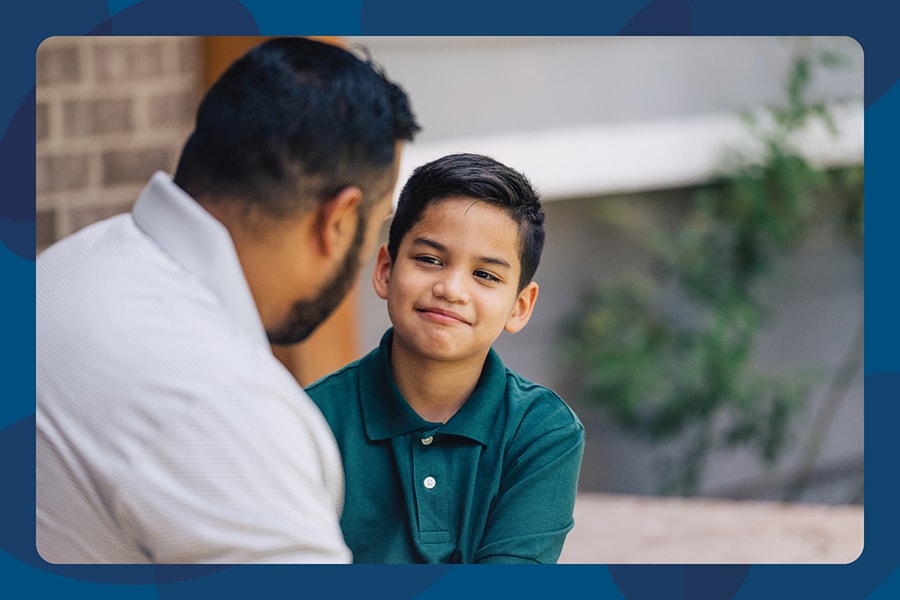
[{"x": 441, "y": 315}]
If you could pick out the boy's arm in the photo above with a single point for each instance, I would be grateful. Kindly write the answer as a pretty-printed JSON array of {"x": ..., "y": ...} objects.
[{"x": 532, "y": 514}]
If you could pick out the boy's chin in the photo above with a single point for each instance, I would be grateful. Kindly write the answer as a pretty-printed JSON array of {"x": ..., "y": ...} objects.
[{"x": 441, "y": 348}]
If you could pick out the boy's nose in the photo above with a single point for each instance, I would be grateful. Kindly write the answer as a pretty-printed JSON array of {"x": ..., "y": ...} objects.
[{"x": 451, "y": 287}]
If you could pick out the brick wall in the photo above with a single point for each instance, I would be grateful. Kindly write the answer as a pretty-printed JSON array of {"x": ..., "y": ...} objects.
[{"x": 109, "y": 112}]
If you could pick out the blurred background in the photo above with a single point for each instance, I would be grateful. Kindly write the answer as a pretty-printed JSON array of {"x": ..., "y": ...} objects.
[
  {"x": 701, "y": 303},
  {"x": 629, "y": 140}
]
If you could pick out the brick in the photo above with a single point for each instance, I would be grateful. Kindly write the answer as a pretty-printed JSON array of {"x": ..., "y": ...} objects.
[
  {"x": 82, "y": 217},
  {"x": 61, "y": 172},
  {"x": 44, "y": 228},
  {"x": 98, "y": 116},
  {"x": 128, "y": 60},
  {"x": 55, "y": 64},
  {"x": 42, "y": 121},
  {"x": 167, "y": 110},
  {"x": 189, "y": 55},
  {"x": 134, "y": 166}
]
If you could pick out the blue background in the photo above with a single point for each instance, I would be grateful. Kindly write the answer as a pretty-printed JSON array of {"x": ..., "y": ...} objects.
[{"x": 875, "y": 575}]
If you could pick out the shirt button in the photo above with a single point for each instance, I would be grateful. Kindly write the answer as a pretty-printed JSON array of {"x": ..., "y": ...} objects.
[
  {"x": 427, "y": 441},
  {"x": 429, "y": 482}
]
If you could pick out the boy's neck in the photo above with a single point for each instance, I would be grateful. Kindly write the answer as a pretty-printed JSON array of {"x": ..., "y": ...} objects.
[{"x": 434, "y": 389}]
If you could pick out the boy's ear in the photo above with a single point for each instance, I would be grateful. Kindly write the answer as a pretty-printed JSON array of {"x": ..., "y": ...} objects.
[
  {"x": 381, "y": 275},
  {"x": 522, "y": 309},
  {"x": 337, "y": 220}
]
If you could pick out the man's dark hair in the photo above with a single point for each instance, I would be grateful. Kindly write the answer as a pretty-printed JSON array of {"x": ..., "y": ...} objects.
[
  {"x": 292, "y": 122},
  {"x": 481, "y": 178}
]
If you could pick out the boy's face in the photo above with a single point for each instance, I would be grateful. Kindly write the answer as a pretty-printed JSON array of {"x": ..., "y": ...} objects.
[{"x": 453, "y": 287}]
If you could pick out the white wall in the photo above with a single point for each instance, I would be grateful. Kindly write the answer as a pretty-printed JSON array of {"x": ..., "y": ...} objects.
[
  {"x": 470, "y": 87},
  {"x": 589, "y": 116}
]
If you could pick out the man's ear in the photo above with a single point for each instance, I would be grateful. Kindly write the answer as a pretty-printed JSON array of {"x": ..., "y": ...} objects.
[
  {"x": 337, "y": 219},
  {"x": 522, "y": 309},
  {"x": 381, "y": 275}
]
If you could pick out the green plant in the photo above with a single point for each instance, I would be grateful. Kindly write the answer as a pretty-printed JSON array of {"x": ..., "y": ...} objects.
[{"x": 690, "y": 377}]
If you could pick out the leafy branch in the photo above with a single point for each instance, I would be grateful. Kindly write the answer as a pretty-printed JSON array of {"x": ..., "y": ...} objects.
[{"x": 666, "y": 377}]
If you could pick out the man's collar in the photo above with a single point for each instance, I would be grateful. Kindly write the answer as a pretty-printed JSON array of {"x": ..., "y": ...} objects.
[{"x": 201, "y": 244}]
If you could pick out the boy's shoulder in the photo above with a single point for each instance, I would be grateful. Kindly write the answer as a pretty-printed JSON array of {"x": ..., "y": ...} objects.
[
  {"x": 538, "y": 420},
  {"x": 538, "y": 402},
  {"x": 346, "y": 376}
]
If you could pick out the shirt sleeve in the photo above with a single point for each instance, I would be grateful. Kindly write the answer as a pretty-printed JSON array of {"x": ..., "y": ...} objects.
[
  {"x": 532, "y": 514},
  {"x": 245, "y": 485}
]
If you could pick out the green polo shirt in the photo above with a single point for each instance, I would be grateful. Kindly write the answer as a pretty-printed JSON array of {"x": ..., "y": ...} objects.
[{"x": 496, "y": 483}]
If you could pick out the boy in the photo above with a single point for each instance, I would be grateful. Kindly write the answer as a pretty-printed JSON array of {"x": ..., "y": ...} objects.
[{"x": 448, "y": 455}]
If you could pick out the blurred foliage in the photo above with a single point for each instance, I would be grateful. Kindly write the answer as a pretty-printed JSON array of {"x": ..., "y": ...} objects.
[{"x": 689, "y": 378}]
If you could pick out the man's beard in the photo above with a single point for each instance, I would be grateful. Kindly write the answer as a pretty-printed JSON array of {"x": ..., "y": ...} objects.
[{"x": 306, "y": 315}]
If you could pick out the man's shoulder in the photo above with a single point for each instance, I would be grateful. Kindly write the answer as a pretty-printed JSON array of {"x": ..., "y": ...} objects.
[{"x": 91, "y": 241}]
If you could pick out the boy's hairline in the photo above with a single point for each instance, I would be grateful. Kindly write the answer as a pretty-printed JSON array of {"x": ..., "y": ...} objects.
[{"x": 507, "y": 210}]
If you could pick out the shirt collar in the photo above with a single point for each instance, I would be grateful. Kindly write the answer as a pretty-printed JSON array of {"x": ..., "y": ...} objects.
[
  {"x": 201, "y": 244},
  {"x": 387, "y": 414}
]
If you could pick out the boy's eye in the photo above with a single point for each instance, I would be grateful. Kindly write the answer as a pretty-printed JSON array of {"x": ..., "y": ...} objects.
[
  {"x": 428, "y": 260},
  {"x": 487, "y": 276}
]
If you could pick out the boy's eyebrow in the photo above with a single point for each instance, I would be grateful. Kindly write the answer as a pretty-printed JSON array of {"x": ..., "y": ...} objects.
[
  {"x": 495, "y": 261},
  {"x": 423, "y": 241}
]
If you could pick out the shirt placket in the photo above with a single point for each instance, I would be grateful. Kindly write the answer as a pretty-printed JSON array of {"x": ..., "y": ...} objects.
[{"x": 432, "y": 487}]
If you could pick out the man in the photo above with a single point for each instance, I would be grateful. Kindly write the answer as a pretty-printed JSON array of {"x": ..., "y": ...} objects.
[{"x": 167, "y": 431}]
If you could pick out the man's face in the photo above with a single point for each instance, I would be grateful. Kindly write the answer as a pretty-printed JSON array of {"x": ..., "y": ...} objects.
[{"x": 307, "y": 314}]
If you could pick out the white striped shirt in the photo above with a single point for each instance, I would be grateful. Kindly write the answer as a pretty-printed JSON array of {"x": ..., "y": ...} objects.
[{"x": 167, "y": 431}]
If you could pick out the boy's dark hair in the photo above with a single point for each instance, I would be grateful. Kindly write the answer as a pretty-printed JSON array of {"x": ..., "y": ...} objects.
[
  {"x": 292, "y": 122},
  {"x": 480, "y": 177}
]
